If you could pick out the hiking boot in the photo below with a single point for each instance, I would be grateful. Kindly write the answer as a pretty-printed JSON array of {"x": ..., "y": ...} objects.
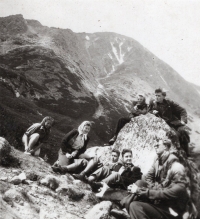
[
  {"x": 112, "y": 140},
  {"x": 95, "y": 186},
  {"x": 103, "y": 190},
  {"x": 80, "y": 176},
  {"x": 56, "y": 169},
  {"x": 64, "y": 169},
  {"x": 119, "y": 214}
]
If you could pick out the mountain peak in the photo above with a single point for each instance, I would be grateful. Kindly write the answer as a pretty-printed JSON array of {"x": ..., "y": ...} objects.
[{"x": 13, "y": 24}]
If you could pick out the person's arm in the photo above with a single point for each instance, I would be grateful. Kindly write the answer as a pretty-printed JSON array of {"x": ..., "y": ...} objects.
[
  {"x": 142, "y": 111},
  {"x": 179, "y": 111},
  {"x": 74, "y": 153},
  {"x": 83, "y": 149},
  {"x": 134, "y": 109},
  {"x": 65, "y": 142},
  {"x": 173, "y": 192},
  {"x": 150, "y": 177},
  {"x": 150, "y": 107},
  {"x": 25, "y": 140},
  {"x": 32, "y": 129}
]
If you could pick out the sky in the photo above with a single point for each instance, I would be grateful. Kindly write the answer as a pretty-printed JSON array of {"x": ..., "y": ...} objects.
[{"x": 168, "y": 28}]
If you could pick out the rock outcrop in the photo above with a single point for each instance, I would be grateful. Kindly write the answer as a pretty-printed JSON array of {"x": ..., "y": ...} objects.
[
  {"x": 140, "y": 135},
  {"x": 100, "y": 211},
  {"x": 6, "y": 154}
]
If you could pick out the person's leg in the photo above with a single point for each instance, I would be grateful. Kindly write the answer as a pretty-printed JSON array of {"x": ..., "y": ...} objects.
[
  {"x": 76, "y": 166},
  {"x": 100, "y": 174},
  {"x": 95, "y": 178},
  {"x": 85, "y": 156},
  {"x": 33, "y": 140},
  {"x": 37, "y": 153},
  {"x": 25, "y": 140},
  {"x": 91, "y": 166},
  {"x": 142, "y": 210},
  {"x": 120, "y": 124},
  {"x": 113, "y": 178},
  {"x": 184, "y": 139}
]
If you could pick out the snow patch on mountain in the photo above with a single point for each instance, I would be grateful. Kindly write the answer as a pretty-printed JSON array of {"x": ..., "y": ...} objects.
[
  {"x": 110, "y": 56},
  {"x": 129, "y": 48},
  {"x": 119, "y": 56},
  {"x": 100, "y": 109},
  {"x": 87, "y": 38},
  {"x": 162, "y": 78}
]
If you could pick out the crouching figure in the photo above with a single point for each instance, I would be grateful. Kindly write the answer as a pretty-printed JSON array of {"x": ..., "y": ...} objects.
[{"x": 36, "y": 135}]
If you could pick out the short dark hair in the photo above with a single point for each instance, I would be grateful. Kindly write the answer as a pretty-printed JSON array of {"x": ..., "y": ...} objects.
[
  {"x": 126, "y": 151},
  {"x": 160, "y": 90},
  {"x": 167, "y": 142},
  {"x": 116, "y": 151}
]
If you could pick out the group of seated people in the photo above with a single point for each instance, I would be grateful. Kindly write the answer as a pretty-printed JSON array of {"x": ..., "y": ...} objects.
[
  {"x": 162, "y": 193},
  {"x": 173, "y": 114}
]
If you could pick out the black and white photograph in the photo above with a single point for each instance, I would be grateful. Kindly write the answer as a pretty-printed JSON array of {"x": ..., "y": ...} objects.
[{"x": 99, "y": 109}]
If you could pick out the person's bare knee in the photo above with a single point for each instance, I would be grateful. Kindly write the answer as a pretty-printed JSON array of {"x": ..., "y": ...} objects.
[{"x": 33, "y": 140}]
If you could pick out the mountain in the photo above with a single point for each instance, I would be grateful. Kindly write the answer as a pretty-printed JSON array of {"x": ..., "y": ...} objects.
[{"x": 78, "y": 76}]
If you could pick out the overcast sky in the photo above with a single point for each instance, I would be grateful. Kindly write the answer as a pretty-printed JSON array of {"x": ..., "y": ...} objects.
[{"x": 168, "y": 28}]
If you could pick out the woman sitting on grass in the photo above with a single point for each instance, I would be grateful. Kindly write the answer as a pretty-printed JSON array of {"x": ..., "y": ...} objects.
[{"x": 36, "y": 135}]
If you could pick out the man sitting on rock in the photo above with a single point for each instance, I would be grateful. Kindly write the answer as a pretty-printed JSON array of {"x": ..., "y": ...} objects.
[
  {"x": 157, "y": 174},
  {"x": 173, "y": 114},
  {"x": 158, "y": 177},
  {"x": 169, "y": 202},
  {"x": 123, "y": 174},
  {"x": 139, "y": 107},
  {"x": 100, "y": 173}
]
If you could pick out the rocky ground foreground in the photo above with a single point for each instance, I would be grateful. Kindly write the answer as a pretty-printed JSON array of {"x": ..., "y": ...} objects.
[{"x": 29, "y": 189}]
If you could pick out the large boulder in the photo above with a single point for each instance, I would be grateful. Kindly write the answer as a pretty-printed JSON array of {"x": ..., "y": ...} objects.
[
  {"x": 6, "y": 154},
  {"x": 100, "y": 211},
  {"x": 139, "y": 135}
]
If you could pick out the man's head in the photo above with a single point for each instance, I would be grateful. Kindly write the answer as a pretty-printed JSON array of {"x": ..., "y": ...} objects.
[
  {"x": 115, "y": 155},
  {"x": 140, "y": 98},
  {"x": 160, "y": 95},
  {"x": 127, "y": 156},
  {"x": 162, "y": 146}
]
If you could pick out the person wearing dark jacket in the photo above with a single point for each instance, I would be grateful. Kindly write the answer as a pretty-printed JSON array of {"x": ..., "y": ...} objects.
[
  {"x": 36, "y": 135},
  {"x": 173, "y": 114},
  {"x": 71, "y": 157},
  {"x": 123, "y": 174},
  {"x": 139, "y": 107},
  {"x": 169, "y": 202},
  {"x": 157, "y": 175}
]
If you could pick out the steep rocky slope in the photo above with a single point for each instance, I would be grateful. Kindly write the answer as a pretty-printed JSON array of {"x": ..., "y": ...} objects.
[
  {"x": 29, "y": 189},
  {"x": 78, "y": 76}
]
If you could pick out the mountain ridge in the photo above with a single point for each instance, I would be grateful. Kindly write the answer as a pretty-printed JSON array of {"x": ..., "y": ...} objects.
[{"x": 80, "y": 76}]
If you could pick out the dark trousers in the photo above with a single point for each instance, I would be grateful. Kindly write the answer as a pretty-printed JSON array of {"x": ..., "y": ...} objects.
[
  {"x": 101, "y": 173},
  {"x": 121, "y": 123},
  {"x": 184, "y": 139},
  {"x": 142, "y": 210},
  {"x": 113, "y": 179}
]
